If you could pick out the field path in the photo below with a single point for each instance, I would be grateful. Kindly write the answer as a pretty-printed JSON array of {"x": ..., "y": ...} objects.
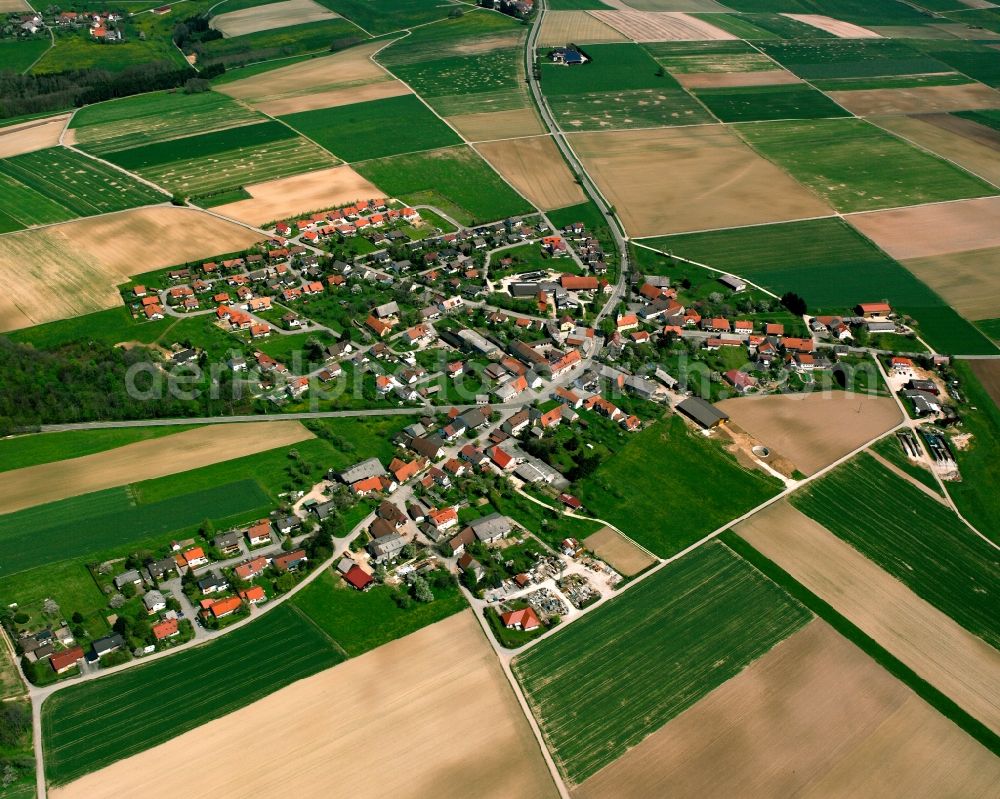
[{"x": 892, "y": 467}]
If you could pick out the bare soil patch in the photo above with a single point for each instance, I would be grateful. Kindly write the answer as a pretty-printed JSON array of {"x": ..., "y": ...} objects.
[
  {"x": 969, "y": 144},
  {"x": 436, "y": 700},
  {"x": 144, "y": 460},
  {"x": 933, "y": 229},
  {"x": 807, "y": 719},
  {"x": 918, "y": 100},
  {"x": 13, "y": 5},
  {"x": 969, "y": 281},
  {"x": 273, "y": 15},
  {"x": 842, "y": 30},
  {"x": 725, "y": 80},
  {"x": 497, "y": 124},
  {"x": 286, "y": 197},
  {"x": 672, "y": 180},
  {"x": 536, "y": 169},
  {"x": 813, "y": 430},
  {"x": 669, "y": 5},
  {"x": 378, "y": 90},
  {"x": 351, "y": 67},
  {"x": 578, "y": 27},
  {"x": 669, "y": 26},
  {"x": 28, "y": 136},
  {"x": 623, "y": 556},
  {"x": 73, "y": 267},
  {"x": 988, "y": 372},
  {"x": 961, "y": 665}
]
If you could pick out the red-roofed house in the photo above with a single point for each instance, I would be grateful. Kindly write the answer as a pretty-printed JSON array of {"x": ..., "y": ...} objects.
[
  {"x": 254, "y": 596},
  {"x": 358, "y": 578},
  {"x": 226, "y": 607},
  {"x": 165, "y": 629},
  {"x": 525, "y": 619},
  {"x": 62, "y": 662}
]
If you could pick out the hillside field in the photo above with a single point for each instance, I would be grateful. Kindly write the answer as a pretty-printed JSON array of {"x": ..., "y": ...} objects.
[
  {"x": 610, "y": 679},
  {"x": 707, "y": 491},
  {"x": 917, "y": 540},
  {"x": 91, "y": 725}
]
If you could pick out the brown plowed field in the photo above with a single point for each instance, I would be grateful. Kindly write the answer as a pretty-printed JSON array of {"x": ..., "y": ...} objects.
[
  {"x": 144, "y": 460},
  {"x": 840, "y": 29},
  {"x": 267, "y": 17},
  {"x": 497, "y": 124},
  {"x": 988, "y": 372},
  {"x": 286, "y": 197},
  {"x": 379, "y": 90},
  {"x": 725, "y": 80},
  {"x": 623, "y": 556},
  {"x": 536, "y": 169},
  {"x": 813, "y": 718},
  {"x": 693, "y": 178},
  {"x": 949, "y": 657},
  {"x": 576, "y": 27},
  {"x": 934, "y": 229},
  {"x": 670, "y": 26},
  {"x": 969, "y": 144},
  {"x": 75, "y": 266},
  {"x": 918, "y": 100},
  {"x": 969, "y": 281},
  {"x": 813, "y": 430},
  {"x": 427, "y": 715},
  {"x": 28, "y": 136}
]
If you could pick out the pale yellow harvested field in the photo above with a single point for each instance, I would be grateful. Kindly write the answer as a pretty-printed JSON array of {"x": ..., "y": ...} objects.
[
  {"x": 28, "y": 136},
  {"x": 725, "y": 80},
  {"x": 576, "y": 27},
  {"x": 272, "y": 15},
  {"x": 933, "y": 229},
  {"x": 813, "y": 718},
  {"x": 666, "y": 26},
  {"x": 969, "y": 281},
  {"x": 72, "y": 268},
  {"x": 840, "y": 29},
  {"x": 379, "y": 90},
  {"x": 613, "y": 548},
  {"x": 428, "y": 715},
  {"x": 813, "y": 430},
  {"x": 918, "y": 100},
  {"x": 13, "y": 5},
  {"x": 672, "y": 180},
  {"x": 536, "y": 169},
  {"x": 144, "y": 460},
  {"x": 949, "y": 657},
  {"x": 348, "y": 68},
  {"x": 970, "y": 145},
  {"x": 286, "y": 197},
  {"x": 497, "y": 124}
]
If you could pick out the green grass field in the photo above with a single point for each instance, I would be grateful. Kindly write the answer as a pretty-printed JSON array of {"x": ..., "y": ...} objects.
[
  {"x": 78, "y": 50},
  {"x": 667, "y": 473},
  {"x": 390, "y": 15},
  {"x": 634, "y": 108},
  {"x": 578, "y": 5},
  {"x": 110, "y": 520},
  {"x": 157, "y": 117},
  {"x": 88, "y": 726},
  {"x": 613, "y": 68},
  {"x": 860, "y": 12},
  {"x": 988, "y": 117},
  {"x": 312, "y": 37},
  {"x": 467, "y": 84},
  {"x": 823, "y": 154},
  {"x": 359, "y": 622},
  {"x": 852, "y": 58},
  {"x": 212, "y": 162},
  {"x": 915, "y": 539},
  {"x": 609, "y": 680},
  {"x": 990, "y": 327},
  {"x": 375, "y": 129},
  {"x": 56, "y": 184},
  {"x": 17, "y": 55},
  {"x": 890, "y": 449},
  {"x": 454, "y": 179},
  {"x": 764, "y": 27},
  {"x": 975, "y": 59},
  {"x": 831, "y": 266},
  {"x": 30, "y": 450},
  {"x": 757, "y": 103},
  {"x": 890, "y": 82},
  {"x": 717, "y": 56}
]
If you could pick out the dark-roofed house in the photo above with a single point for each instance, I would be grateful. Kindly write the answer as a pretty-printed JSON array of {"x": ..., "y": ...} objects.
[
  {"x": 130, "y": 577},
  {"x": 386, "y": 547},
  {"x": 372, "y": 467},
  {"x": 158, "y": 569},
  {"x": 703, "y": 413},
  {"x": 106, "y": 645},
  {"x": 228, "y": 543},
  {"x": 290, "y": 561},
  {"x": 430, "y": 447}
]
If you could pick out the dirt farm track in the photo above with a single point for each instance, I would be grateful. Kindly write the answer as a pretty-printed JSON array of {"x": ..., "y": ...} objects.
[{"x": 426, "y": 715}]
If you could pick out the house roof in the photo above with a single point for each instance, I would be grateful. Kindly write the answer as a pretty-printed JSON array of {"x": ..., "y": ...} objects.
[{"x": 358, "y": 577}]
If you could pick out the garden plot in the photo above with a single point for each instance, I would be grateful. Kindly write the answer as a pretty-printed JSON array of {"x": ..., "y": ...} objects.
[
  {"x": 949, "y": 657},
  {"x": 266, "y": 17},
  {"x": 813, "y": 430},
  {"x": 287, "y": 197},
  {"x": 77, "y": 265},
  {"x": 697, "y": 178},
  {"x": 813, "y": 717},
  {"x": 536, "y": 169},
  {"x": 642, "y": 26}
]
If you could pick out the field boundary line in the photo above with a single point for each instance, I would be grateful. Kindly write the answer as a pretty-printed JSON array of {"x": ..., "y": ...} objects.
[
  {"x": 768, "y": 292},
  {"x": 333, "y": 641},
  {"x": 639, "y": 239}
]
